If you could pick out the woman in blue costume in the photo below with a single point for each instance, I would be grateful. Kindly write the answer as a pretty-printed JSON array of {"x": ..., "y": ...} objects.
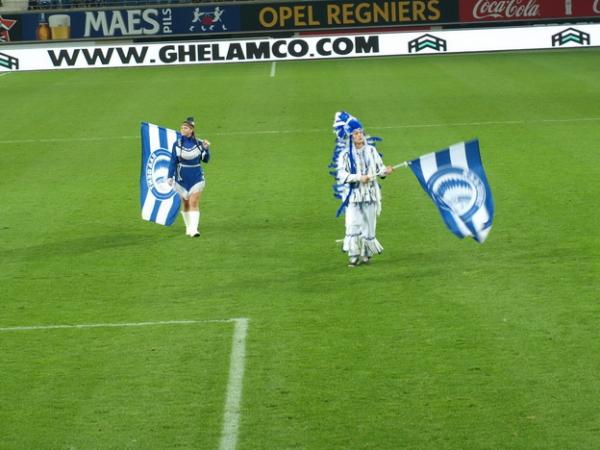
[{"x": 186, "y": 174}]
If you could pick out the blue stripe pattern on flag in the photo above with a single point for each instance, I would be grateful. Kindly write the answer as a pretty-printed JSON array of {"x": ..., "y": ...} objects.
[
  {"x": 456, "y": 182},
  {"x": 158, "y": 200}
]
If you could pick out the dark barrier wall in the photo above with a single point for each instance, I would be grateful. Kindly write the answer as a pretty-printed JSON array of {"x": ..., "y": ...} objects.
[{"x": 266, "y": 17}]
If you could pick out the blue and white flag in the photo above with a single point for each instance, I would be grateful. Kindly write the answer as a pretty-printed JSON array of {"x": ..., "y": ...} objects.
[
  {"x": 159, "y": 201},
  {"x": 455, "y": 180}
]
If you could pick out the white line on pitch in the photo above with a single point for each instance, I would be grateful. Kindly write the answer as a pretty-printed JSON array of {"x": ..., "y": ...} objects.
[
  {"x": 273, "y": 69},
  {"x": 313, "y": 130},
  {"x": 4, "y": 73},
  {"x": 84, "y": 139},
  {"x": 112, "y": 325},
  {"x": 235, "y": 382},
  {"x": 506, "y": 122},
  {"x": 233, "y": 400}
]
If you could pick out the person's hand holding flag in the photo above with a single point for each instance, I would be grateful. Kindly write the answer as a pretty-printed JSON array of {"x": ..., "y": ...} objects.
[{"x": 386, "y": 171}]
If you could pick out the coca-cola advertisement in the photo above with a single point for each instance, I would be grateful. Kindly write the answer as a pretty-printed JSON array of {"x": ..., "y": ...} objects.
[{"x": 526, "y": 10}]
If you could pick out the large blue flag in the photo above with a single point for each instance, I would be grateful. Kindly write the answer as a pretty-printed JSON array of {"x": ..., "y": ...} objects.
[
  {"x": 455, "y": 180},
  {"x": 159, "y": 201}
]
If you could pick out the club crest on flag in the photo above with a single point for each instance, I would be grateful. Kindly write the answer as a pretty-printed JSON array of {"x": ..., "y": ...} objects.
[
  {"x": 457, "y": 190},
  {"x": 456, "y": 182},
  {"x": 157, "y": 169},
  {"x": 158, "y": 199}
]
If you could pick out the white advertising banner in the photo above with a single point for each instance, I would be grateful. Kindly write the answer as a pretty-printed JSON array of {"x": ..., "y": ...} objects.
[{"x": 15, "y": 58}]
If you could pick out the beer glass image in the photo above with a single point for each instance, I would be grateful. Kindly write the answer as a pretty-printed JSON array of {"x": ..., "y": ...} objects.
[{"x": 60, "y": 26}]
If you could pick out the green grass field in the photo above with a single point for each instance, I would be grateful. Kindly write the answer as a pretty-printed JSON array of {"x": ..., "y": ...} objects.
[{"x": 438, "y": 344}]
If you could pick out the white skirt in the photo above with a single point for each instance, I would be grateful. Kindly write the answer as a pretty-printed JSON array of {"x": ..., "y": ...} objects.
[{"x": 361, "y": 224}]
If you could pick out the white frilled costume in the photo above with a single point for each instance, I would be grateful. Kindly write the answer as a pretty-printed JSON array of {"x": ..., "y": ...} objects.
[{"x": 361, "y": 202}]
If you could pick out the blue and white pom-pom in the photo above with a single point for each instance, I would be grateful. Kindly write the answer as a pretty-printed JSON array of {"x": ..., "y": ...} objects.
[{"x": 343, "y": 125}]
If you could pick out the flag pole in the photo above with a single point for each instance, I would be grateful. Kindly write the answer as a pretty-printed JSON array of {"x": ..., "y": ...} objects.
[{"x": 403, "y": 164}]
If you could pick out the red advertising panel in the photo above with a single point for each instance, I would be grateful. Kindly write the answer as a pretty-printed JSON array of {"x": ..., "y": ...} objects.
[
  {"x": 526, "y": 10},
  {"x": 588, "y": 8}
]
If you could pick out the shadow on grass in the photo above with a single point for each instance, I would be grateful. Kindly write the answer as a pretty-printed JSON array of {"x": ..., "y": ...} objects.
[{"x": 79, "y": 246}]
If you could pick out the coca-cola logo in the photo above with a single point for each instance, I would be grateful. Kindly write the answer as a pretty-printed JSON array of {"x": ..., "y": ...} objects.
[
  {"x": 597, "y": 6},
  {"x": 507, "y": 9}
]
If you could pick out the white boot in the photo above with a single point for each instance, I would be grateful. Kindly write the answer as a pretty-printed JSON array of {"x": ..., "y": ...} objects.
[
  {"x": 194, "y": 220},
  {"x": 186, "y": 220}
]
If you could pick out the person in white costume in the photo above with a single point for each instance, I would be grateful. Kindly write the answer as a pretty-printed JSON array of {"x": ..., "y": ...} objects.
[{"x": 358, "y": 167}]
